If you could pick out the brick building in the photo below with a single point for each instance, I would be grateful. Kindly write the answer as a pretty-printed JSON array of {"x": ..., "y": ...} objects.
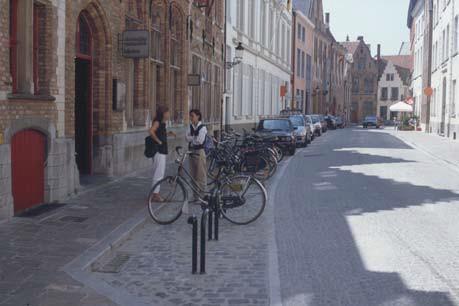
[
  {"x": 364, "y": 73},
  {"x": 71, "y": 103}
]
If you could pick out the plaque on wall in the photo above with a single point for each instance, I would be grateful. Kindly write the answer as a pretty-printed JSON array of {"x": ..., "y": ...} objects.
[
  {"x": 194, "y": 80},
  {"x": 119, "y": 95},
  {"x": 135, "y": 44}
]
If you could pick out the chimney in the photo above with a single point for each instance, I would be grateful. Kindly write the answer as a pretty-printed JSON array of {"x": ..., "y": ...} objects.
[
  {"x": 378, "y": 55},
  {"x": 360, "y": 38},
  {"x": 327, "y": 19},
  {"x": 347, "y": 38}
]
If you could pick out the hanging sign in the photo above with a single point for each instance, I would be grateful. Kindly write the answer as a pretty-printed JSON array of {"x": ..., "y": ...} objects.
[{"x": 135, "y": 44}]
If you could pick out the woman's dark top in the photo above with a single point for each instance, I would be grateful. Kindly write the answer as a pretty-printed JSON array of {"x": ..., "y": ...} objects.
[{"x": 161, "y": 133}]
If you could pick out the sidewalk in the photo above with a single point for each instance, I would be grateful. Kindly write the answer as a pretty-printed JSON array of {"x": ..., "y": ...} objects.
[
  {"x": 442, "y": 148},
  {"x": 35, "y": 249}
]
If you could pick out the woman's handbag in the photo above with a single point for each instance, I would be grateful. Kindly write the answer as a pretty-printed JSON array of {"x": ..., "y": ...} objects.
[{"x": 150, "y": 147}]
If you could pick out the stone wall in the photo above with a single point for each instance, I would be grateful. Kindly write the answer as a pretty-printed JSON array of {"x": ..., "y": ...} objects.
[{"x": 6, "y": 198}]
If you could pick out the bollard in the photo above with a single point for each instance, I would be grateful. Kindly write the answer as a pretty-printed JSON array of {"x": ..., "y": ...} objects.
[
  {"x": 210, "y": 225},
  {"x": 194, "y": 245},
  {"x": 203, "y": 242},
  {"x": 216, "y": 209}
]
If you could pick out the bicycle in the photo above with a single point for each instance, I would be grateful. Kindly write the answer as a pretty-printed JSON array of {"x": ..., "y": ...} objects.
[{"x": 241, "y": 199}]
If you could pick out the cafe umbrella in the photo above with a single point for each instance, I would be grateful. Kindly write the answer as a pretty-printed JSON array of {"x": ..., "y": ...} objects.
[{"x": 401, "y": 107}]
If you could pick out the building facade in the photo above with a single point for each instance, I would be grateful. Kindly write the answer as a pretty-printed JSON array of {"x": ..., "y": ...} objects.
[
  {"x": 393, "y": 84},
  {"x": 364, "y": 80},
  {"x": 260, "y": 84},
  {"x": 417, "y": 23},
  {"x": 72, "y": 97},
  {"x": 445, "y": 69},
  {"x": 302, "y": 70}
]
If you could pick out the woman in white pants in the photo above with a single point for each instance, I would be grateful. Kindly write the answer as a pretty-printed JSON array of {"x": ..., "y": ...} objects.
[{"x": 159, "y": 134}]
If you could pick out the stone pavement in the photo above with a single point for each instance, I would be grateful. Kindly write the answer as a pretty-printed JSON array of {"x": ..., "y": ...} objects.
[
  {"x": 442, "y": 148},
  {"x": 34, "y": 250}
]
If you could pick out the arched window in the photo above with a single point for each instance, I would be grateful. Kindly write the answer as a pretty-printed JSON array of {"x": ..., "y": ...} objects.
[
  {"x": 157, "y": 45},
  {"x": 83, "y": 42}
]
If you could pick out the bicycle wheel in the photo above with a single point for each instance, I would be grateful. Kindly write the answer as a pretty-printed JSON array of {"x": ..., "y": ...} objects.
[
  {"x": 257, "y": 166},
  {"x": 242, "y": 199},
  {"x": 166, "y": 206},
  {"x": 280, "y": 153}
]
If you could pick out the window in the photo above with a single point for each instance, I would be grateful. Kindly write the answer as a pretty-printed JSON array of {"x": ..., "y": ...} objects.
[
  {"x": 368, "y": 108},
  {"x": 303, "y": 63},
  {"x": 299, "y": 31},
  {"x": 156, "y": 32},
  {"x": 217, "y": 94},
  {"x": 368, "y": 83},
  {"x": 453, "y": 99},
  {"x": 13, "y": 43},
  {"x": 389, "y": 76},
  {"x": 251, "y": 20},
  {"x": 384, "y": 94},
  {"x": 361, "y": 64},
  {"x": 196, "y": 90},
  {"x": 447, "y": 43},
  {"x": 455, "y": 33},
  {"x": 394, "y": 93},
  {"x": 443, "y": 48},
  {"x": 303, "y": 34},
  {"x": 298, "y": 62},
  {"x": 240, "y": 14},
  {"x": 262, "y": 22},
  {"x": 176, "y": 38},
  {"x": 355, "y": 85}
]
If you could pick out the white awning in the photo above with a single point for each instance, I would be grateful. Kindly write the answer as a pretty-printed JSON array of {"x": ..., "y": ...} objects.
[{"x": 401, "y": 107}]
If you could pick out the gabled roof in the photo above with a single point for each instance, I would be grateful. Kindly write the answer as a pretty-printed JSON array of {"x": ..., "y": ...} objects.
[
  {"x": 405, "y": 61},
  {"x": 403, "y": 72},
  {"x": 351, "y": 46}
]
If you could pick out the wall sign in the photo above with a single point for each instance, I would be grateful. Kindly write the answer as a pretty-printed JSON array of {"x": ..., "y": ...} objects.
[
  {"x": 194, "y": 80},
  {"x": 135, "y": 44}
]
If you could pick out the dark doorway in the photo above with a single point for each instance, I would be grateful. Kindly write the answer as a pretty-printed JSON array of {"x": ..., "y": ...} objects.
[
  {"x": 83, "y": 96},
  {"x": 83, "y": 137}
]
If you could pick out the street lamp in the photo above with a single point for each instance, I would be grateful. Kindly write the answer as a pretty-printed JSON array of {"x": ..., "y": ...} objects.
[{"x": 237, "y": 58}]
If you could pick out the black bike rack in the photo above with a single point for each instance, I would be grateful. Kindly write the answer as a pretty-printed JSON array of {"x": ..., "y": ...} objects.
[{"x": 211, "y": 216}]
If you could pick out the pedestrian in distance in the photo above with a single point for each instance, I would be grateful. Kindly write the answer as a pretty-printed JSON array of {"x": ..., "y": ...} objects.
[
  {"x": 196, "y": 136},
  {"x": 159, "y": 134}
]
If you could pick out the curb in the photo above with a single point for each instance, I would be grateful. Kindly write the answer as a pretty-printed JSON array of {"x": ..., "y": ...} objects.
[
  {"x": 78, "y": 267},
  {"x": 448, "y": 163}
]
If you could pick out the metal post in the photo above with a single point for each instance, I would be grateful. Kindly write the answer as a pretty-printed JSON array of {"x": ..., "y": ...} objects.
[
  {"x": 210, "y": 224},
  {"x": 203, "y": 242},
  {"x": 194, "y": 248},
  {"x": 216, "y": 209}
]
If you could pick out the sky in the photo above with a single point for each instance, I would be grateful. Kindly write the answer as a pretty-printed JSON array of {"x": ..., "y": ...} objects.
[{"x": 379, "y": 21}]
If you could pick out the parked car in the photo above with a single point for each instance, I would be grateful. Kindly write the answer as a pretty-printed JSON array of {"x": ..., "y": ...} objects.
[
  {"x": 339, "y": 122},
  {"x": 323, "y": 123},
  {"x": 309, "y": 122},
  {"x": 282, "y": 131},
  {"x": 331, "y": 122},
  {"x": 371, "y": 121},
  {"x": 302, "y": 130},
  {"x": 317, "y": 125}
]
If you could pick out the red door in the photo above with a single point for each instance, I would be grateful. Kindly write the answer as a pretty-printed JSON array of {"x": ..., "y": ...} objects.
[{"x": 28, "y": 169}]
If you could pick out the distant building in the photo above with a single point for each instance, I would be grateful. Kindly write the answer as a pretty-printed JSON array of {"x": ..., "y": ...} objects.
[
  {"x": 364, "y": 80},
  {"x": 302, "y": 52},
  {"x": 393, "y": 83},
  {"x": 253, "y": 87}
]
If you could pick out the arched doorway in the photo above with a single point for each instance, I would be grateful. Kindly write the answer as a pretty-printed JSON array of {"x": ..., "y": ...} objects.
[
  {"x": 443, "y": 108},
  {"x": 28, "y": 155},
  {"x": 83, "y": 95}
]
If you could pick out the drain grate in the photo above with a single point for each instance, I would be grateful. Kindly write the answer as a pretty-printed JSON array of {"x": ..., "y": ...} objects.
[
  {"x": 76, "y": 219},
  {"x": 115, "y": 264}
]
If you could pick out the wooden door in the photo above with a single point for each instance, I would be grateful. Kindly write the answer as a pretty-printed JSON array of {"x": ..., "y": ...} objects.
[{"x": 28, "y": 149}]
